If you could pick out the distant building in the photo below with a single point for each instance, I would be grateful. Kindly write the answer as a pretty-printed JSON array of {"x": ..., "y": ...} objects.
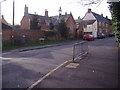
[
  {"x": 34, "y": 21},
  {"x": 79, "y": 28},
  {"x": 95, "y": 24},
  {"x": 5, "y": 25}
]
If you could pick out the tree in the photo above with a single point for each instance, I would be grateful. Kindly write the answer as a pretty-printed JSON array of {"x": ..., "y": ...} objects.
[
  {"x": 51, "y": 26},
  {"x": 62, "y": 28},
  {"x": 115, "y": 11},
  {"x": 34, "y": 23}
]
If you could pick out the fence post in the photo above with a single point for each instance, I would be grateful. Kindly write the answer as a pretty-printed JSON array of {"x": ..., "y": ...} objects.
[{"x": 73, "y": 53}]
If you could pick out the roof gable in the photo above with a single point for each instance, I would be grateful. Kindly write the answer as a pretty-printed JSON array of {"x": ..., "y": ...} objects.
[{"x": 4, "y": 26}]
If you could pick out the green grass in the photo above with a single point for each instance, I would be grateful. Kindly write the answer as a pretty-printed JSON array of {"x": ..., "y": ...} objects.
[
  {"x": 10, "y": 47},
  {"x": 31, "y": 45},
  {"x": 44, "y": 43}
]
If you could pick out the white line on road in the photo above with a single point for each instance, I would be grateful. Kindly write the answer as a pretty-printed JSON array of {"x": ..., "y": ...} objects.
[
  {"x": 48, "y": 74},
  {"x": 4, "y": 58}
]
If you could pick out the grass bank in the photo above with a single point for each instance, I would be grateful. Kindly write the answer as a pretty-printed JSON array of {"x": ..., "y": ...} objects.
[{"x": 31, "y": 45}]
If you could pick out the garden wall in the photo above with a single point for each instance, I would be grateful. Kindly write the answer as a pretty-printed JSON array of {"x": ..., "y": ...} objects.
[{"x": 21, "y": 36}]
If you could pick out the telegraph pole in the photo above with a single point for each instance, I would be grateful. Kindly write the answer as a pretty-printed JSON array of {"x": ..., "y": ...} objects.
[{"x": 13, "y": 15}]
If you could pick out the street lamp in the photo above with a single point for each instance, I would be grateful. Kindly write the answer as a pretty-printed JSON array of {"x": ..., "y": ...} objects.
[
  {"x": 13, "y": 14},
  {"x": 1, "y": 44},
  {"x": 1, "y": 18},
  {"x": 1, "y": 25}
]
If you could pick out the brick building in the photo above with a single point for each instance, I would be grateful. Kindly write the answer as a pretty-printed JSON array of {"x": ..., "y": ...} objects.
[
  {"x": 34, "y": 21},
  {"x": 45, "y": 22},
  {"x": 5, "y": 25}
]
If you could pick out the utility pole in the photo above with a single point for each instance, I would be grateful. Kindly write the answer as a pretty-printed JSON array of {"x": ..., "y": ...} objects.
[{"x": 13, "y": 15}]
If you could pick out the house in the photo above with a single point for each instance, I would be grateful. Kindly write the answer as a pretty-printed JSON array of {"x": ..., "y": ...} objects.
[
  {"x": 5, "y": 25},
  {"x": 79, "y": 27},
  {"x": 95, "y": 24},
  {"x": 69, "y": 19},
  {"x": 34, "y": 21}
]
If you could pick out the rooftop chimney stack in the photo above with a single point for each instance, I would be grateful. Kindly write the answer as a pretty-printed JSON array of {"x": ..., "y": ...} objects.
[
  {"x": 46, "y": 13},
  {"x": 26, "y": 11},
  {"x": 65, "y": 13},
  {"x": 106, "y": 17},
  {"x": 102, "y": 15},
  {"x": 89, "y": 10}
]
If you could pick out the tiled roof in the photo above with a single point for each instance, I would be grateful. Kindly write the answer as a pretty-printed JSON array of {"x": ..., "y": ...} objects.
[
  {"x": 40, "y": 18},
  {"x": 53, "y": 19},
  {"x": 100, "y": 18},
  {"x": 4, "y": 26}
]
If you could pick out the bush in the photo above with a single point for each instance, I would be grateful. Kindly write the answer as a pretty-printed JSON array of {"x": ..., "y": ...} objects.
[{"x": 49, "y": 33}]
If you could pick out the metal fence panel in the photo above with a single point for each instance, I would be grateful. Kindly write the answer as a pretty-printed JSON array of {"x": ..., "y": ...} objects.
[{"x": 79, "y": 49}]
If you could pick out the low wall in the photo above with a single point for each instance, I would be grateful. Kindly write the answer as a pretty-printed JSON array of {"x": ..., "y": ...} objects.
[{"x": 30, "y": 36}]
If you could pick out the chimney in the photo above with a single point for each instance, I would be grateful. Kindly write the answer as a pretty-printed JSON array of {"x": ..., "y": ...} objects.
[
  {"x": 26, "y": 11},
  {"x": 102, "y": 15},
  {"x": 89, "y": 10},
  {"x": 106, "y": 17},
  {"x": 46, "y": 13},
  {"x": 65, "y": 13}
]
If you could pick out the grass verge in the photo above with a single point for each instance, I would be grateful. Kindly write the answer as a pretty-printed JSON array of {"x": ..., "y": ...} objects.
[{"x": 31, "y": 45}]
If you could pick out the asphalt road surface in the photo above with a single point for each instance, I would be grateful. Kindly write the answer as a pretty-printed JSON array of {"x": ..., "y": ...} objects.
[{"x": 22, "y": 69}]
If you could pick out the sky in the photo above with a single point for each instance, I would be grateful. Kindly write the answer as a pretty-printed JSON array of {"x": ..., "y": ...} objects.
[{"x": 52, "y": 6}]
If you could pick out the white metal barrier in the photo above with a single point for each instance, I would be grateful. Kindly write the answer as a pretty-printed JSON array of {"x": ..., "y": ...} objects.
[{"x": 80, "y": 49}]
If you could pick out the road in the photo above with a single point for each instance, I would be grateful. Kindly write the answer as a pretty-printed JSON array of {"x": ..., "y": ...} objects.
[{"x": 22, "y": 69}]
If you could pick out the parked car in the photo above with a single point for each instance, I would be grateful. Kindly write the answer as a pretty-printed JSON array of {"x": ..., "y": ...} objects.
[
  {"x": 88, "y": 37},
  {"x": 111, "y": 35},
  {"x": 101, "y": 35}
]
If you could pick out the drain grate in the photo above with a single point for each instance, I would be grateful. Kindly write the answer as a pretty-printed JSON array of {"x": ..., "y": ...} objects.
[{"x": 72, "y": 65}]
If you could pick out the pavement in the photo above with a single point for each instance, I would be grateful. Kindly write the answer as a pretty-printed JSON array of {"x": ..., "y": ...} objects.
[{"x": 99, "y": 69}]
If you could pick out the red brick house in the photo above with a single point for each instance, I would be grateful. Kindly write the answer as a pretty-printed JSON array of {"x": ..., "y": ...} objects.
[
  {"x": 45, "y": 22},
  {"x": 79, "y": 28},
  {"x": 34, "y": 21}
]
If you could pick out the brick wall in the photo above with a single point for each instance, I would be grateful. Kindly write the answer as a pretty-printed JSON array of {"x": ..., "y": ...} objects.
[
  {"x": 32, "y": 36},
  {"x": 72, "y": 26}
]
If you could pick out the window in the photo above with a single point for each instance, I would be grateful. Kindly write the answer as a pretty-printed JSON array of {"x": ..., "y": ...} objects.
[{"x": 85, "y": 26}]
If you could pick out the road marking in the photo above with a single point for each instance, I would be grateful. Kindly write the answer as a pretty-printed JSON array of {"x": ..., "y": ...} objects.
[
  {"x": 48, "y": 74},
  {"x": 4, "y": 58}
]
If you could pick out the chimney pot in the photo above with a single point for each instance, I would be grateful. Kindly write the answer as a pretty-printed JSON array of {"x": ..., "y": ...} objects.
[
  {"x": 102, "y": 15},
  {"x": 107, "y": 17},
  {"x": 89, "y": 10},
  {"x": 46, "y": 13}
]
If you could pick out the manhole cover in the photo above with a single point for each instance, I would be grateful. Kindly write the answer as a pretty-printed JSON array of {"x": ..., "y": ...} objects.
[{"x": 72, "y": 65}]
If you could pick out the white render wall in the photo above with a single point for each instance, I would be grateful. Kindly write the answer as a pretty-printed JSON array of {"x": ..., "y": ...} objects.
[
  {"x": 95, "y": 29},
  {"x": 92, "y": 28},
  {"x": 89, "y": 16}
]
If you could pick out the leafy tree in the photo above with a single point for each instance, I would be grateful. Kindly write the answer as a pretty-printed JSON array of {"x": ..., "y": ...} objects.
[
  {"x": 51, "y": 26},
  {"x": 34, "y": 23},
  {"x": 62, "y": 28},
  {"x": 115, "y": 11}
]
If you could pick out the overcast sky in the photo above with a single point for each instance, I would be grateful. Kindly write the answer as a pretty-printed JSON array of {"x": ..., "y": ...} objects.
[{"x": 52, "y": 6}]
